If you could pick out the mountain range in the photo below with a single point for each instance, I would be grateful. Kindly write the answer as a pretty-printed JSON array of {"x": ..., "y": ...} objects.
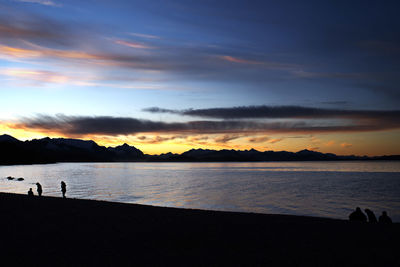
[{"x": 52, "y": 150}]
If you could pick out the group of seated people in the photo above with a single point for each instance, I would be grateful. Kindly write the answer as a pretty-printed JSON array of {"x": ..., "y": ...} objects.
[{"x": 359, "y": 216}]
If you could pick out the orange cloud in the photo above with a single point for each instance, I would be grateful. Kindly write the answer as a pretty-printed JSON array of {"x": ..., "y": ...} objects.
[
  {"x": 19, "y": 52},
  {"x": 101, "y": 58},
  {"x": 35, "y": 75},
  {"x": 330, "y": 143},
  {"x": 43, "y": 52},
  {"x": 346, "y": 145},
  {"x": 276, "y": 140}
]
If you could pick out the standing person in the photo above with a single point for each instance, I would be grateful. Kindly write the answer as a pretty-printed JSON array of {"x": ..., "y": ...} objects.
[
  {"x": 30, "y": 192},
  {"x": 63, "y": 188},
  {"x": 39, "y": 189}
]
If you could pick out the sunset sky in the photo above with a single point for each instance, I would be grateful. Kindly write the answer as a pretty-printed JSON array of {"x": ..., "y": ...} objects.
[{"x": 168, "y": 76}]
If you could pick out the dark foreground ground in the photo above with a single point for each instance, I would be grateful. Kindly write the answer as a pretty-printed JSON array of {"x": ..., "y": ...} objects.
[{"x": 51, "y": 231}]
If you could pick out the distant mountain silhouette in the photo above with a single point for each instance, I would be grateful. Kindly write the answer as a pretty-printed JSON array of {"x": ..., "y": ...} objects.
[
  {"x": 8, "y": 138},
  {"x": 206, "y": 155},
  {"x": 48, "y": 150},
  {"x": 126, "y": 152}
]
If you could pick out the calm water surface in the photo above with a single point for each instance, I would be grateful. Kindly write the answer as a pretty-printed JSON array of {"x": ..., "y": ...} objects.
[{"x": 328, "y": 189}]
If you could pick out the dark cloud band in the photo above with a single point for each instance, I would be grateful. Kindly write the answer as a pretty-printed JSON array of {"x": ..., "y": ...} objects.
[
  {"x": 107, "y": 125},
  {"x": 289, "y": 112}
]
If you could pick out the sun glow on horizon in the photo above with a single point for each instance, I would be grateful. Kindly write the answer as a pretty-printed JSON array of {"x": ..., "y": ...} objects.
[{"x": 157, "y": 143}]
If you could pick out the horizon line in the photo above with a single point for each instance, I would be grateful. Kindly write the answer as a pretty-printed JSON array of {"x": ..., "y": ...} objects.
[{"x": 276, "y": 151}]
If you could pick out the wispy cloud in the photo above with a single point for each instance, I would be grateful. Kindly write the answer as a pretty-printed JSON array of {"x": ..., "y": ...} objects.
[
  {"x": 142, "y": 35},
  {"x": 14, "y": 52},
  {"x": 40, "y": 76},
  {"x": 41, "y": 2},
  {"x": 111, "y": 60},
  {"x": 238, "y": 60},
  {"x": 275, "y": 140},
  {"x": 88, "y": 59},
  {"x": 227, "y": 137},
  {"x": 29, "y": 30},
  {"x": 159, "y": 139},
  {"x": 25, "y": 37},
  {"x": 258, "y": 139},
  {"x": 263, "y": 139},
  {"x": 263, "y": 64},
  {"x": 197, "y": 138},
  {"x": 133, "y": 44},
  {"x": 47, "y": 53}
]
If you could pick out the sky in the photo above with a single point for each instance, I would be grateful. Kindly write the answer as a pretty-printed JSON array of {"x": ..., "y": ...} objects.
[{"x": 169, "y": 76}]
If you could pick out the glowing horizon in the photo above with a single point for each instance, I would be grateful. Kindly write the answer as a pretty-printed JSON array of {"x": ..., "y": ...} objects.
[{"x": 152, "y": 143}]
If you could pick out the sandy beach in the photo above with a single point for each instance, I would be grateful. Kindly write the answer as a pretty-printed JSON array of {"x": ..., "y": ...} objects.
[{"x": 49, "y": 231}]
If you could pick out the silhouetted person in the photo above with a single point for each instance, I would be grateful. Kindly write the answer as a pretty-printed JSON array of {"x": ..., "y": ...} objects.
[
  {"x": 39, "y": 189},
  {"x": 30, "y": 192},
  {"x": 384, "y": 218},
  {"x": 358, "y": 216},
  {"x": 371, "y": 216},
  {"x": 63, "y": 188}
]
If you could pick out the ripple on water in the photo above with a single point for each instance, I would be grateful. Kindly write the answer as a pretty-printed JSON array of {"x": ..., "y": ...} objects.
[{"x": 330, "y": 189}]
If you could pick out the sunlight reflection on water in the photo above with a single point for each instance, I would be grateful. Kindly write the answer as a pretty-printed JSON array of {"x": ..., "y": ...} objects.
[{"x": 329, "y": 189}]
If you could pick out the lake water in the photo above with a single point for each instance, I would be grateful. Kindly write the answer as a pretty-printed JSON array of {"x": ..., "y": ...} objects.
[{"x": 327, "y": 189}]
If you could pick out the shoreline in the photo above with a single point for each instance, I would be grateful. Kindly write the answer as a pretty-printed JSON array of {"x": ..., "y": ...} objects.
[
  {"x": 177, "y": 209},
  {"x": 47, "y": 231},
  {"x": 198, "y": 161}
]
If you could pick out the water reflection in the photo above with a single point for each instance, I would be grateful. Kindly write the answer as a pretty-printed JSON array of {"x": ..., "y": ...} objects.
[{"x": 330, "y": 189}]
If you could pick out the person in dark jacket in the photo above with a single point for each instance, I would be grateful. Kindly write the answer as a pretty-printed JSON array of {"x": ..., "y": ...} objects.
[
  {"x": 358, "y": 215},
  {"x": 63, "y": 188},
  {"x": 371, "y": 216},
  {"x": 30, "y": 192},
  {"x": 384, "y": 218},
  {"x": 39, "y": 189}
]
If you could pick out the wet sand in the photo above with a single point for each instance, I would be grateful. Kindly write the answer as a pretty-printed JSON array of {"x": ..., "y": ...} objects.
[{"x": 51, "y": 231}]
